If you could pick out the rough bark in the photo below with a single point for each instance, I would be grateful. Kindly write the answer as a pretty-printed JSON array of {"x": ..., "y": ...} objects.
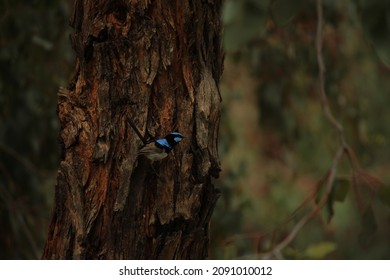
[{"x": 157, "y": 63}]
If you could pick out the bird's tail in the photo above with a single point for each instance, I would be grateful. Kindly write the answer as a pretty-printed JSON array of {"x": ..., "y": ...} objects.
[{"x": 137, "y": 132}]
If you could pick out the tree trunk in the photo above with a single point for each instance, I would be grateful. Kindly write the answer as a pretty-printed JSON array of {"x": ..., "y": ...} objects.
[{"x": 157, "y": 63}]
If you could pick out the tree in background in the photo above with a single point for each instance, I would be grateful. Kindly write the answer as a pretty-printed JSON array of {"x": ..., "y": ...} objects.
[
  {"x": 35, "y": 57},
  {"x": 279, "y": 147},
  {"x": 157, "y": 64}
]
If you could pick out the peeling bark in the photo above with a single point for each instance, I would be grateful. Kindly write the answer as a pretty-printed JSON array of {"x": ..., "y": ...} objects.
[{"x": 157, "y": 63}]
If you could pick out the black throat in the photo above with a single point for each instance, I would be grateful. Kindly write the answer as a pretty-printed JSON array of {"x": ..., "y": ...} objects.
[{"x": 171, "y": 140}]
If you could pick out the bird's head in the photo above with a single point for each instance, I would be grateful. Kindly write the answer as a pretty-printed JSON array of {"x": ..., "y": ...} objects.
[{"x": 174, "y": 137}]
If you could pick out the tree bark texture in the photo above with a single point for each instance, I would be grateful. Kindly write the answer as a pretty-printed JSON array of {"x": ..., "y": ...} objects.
[{"x": 157, "y": 63}]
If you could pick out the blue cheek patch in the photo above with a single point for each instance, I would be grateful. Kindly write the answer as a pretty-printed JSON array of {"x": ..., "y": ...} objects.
[{"x": 177, "y": 139}]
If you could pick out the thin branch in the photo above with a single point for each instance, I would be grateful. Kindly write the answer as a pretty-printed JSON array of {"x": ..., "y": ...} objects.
[
  {"x": 343, "y": 146},
  {"x": 265, "y": 232},
  {"x": 321, "y": 77},
  {"x": 313, "y": 213},
  {"x": 277, "y": 250}
]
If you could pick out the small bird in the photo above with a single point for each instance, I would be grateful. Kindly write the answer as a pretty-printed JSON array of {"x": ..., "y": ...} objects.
[{"x": 159, "y": 149}]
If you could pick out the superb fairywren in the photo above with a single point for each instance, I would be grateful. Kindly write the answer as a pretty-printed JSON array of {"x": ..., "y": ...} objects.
[{"x": 160, "y": 148}]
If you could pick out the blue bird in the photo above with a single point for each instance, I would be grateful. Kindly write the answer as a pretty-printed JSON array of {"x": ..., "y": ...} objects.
[{"x": 160, "y": 148}]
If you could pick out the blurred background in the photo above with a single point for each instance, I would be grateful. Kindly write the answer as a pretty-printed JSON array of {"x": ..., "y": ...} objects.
[{"x": 276, "y": 146}]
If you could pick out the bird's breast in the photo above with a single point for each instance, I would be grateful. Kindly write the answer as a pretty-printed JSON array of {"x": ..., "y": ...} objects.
[{"x": 156, "y": 156}]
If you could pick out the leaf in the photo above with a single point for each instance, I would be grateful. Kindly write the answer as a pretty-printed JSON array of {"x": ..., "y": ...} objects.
[
  {"x": 329, "y": 208},
  {"x": 340, "y": 189},
  {"x": 338, "y": 193},
  {"x": 320, "y": 250}
]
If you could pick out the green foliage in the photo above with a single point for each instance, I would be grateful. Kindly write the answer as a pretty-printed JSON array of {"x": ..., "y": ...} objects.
[
  {"x": 244, "y": 21},
  {"x": 340, "y": 189},
  {"x": 320, "y": 250},
  {"x": 273, "y": 125}
]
